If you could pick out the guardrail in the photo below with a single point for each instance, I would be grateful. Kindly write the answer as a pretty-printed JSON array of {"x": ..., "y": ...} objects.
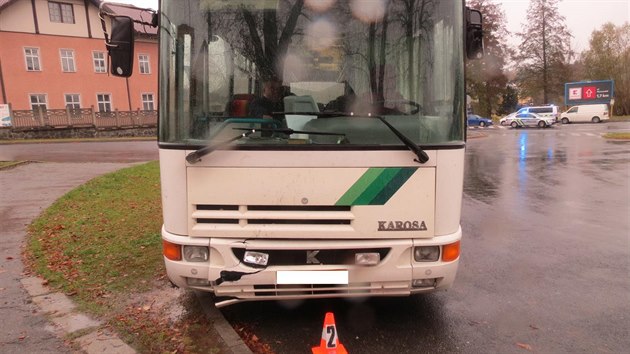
[{"x": 83, "y": 117}]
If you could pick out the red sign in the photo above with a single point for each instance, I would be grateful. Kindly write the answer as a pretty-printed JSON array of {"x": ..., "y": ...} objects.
[{"x": 589, "y": 92}]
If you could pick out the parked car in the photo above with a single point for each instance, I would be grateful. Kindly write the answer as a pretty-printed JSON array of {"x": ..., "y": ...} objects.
[
  {"x": 586, "y": 113},
  {"x": 530, "y": 120},
  {"x": 475, "y": 120},
  {"x": 503, "y": 121},
  {"x": 544, "y": 111},
  {"x": 6, "y": 122}
]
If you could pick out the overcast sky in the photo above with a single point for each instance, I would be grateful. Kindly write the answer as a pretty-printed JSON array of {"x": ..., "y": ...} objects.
[{"x": 582, "y": 16}]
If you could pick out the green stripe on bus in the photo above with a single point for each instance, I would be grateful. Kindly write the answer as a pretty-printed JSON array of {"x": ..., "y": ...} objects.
[
  {"x": 359, "y": 186},
  {"x": 376, "y": 186},
  {"x": 393, "y": 186}
]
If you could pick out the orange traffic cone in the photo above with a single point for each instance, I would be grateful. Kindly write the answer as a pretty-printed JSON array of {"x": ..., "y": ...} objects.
[{"x": 330, "y": 343}]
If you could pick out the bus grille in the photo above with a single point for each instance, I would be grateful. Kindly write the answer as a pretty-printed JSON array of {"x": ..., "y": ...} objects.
[
  {"x": 324, "y": 256},
  {"x": 210, "y": 214}
]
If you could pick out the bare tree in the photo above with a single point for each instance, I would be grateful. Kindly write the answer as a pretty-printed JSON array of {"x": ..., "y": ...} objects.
[
  {"x": 609, "y": 59},
  {"x": 544, "y": 52},
  {"x": 414, "y": 18},
  {"x": 272, "y": 43},
  {"x": 486, "y": 79}
]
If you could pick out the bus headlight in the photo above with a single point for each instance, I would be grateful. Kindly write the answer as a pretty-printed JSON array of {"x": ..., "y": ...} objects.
[
  {"x": 196, "y": 253},
  {"x": 367, "y": 258},
  {"x": 256, "y": 259},
  {"x": 426, "y": 253}
]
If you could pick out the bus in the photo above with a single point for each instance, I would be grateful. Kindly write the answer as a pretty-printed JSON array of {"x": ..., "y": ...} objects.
[{"x": 309, "y": 149}]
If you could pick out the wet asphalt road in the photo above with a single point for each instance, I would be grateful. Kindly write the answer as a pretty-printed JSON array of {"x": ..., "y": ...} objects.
[
  {"x": 79, "y": 152},
  {"x": 545, "y": 263}
]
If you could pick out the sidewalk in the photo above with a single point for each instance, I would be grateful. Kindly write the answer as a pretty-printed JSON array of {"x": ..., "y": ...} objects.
[{"x": 34, "y": 319}]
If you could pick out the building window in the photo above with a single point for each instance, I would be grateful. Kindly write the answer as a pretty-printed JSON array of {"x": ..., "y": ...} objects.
[
  {"x": 144, "y": 64},
  {"x": 32, "y": 59},
  {"x": 99, "y": 62},
  {"x": 67, "y": 61},
  {"x": 38, "y": 101},
  {"x": 73, "y": 100},
  {"x": 147, "y": 102},
  {"x": 60, "y": 12},
  {"x": 104, "y": 102}
]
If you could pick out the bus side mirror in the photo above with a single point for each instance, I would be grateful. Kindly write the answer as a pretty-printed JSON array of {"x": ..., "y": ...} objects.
[
  {"x": 474, "y": 34},
  {"x": 120, "y": 46}
]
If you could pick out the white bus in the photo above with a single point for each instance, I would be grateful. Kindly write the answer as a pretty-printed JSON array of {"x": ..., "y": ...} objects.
[{"x": 345, "y": 180}]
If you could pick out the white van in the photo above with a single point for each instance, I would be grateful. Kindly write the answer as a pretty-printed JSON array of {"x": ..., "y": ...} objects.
[{"x": 586, "y": 113}]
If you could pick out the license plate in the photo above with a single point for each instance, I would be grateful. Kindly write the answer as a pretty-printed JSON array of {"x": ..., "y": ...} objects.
[{"x": 312, "y": 277}]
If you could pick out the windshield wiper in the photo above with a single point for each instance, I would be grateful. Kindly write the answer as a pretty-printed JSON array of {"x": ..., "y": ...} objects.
[
  {"x": 196, "y": 156},
  {"x": 422, "y": 156}
]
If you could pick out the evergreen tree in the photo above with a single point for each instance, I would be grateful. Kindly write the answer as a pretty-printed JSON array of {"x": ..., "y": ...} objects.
[
  {"x": 510, "y": 100},
  {"x": 544, "y": 52}
]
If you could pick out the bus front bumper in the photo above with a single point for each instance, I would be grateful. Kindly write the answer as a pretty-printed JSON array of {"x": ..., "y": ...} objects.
[{"x": 229, "y": 278}]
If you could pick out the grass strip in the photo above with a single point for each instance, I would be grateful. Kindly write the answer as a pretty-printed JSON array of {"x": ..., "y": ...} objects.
[
  {"x": 101, "y": 244},
  {"x": 10, "y": 164},
  {"x": 617, "y": 135},
  {"x": 102, "y": 239}
]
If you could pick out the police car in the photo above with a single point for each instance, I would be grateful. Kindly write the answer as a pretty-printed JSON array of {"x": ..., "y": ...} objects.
[{"x": 529, "y": 120}]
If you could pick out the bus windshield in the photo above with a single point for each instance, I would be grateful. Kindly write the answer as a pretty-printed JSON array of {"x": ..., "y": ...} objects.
[{"x": 311, "y": 73}]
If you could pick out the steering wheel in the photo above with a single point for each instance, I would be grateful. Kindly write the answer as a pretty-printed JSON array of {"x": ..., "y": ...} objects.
[{"x": 415, "y": 107}]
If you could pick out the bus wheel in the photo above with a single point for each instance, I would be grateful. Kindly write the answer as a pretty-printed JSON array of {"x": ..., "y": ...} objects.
[{"x": 595, "y": 120}]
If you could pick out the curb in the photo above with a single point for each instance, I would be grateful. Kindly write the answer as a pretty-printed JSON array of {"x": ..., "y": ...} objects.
[
  {"x": 15, "y": 164},
  {"x": 93, "y": 339},
  {"x": 60, "y": 309},
  {"x": 228, "y": 335}
]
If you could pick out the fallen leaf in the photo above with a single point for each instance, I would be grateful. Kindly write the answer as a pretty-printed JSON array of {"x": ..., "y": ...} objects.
[
  {"x": 524, "y": 346},
  {"x": 533, "y": 327}
]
